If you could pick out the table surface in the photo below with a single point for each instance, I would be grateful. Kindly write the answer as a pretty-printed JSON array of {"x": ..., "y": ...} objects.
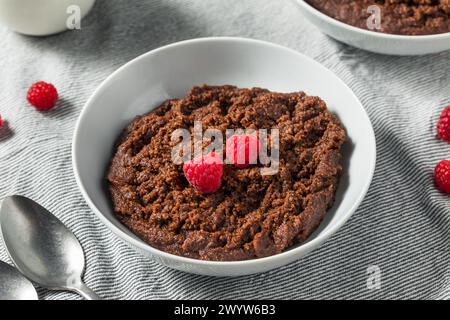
[{"x": 402, "y": 229}]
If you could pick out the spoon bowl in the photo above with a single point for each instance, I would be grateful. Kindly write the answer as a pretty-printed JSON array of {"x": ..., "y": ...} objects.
[
  {"x": 14, "y": 286},
  {"x": 42, "y": 247}
]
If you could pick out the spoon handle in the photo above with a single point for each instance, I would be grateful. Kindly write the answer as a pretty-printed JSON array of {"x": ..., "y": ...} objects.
[{"x": 84, "y": 291}]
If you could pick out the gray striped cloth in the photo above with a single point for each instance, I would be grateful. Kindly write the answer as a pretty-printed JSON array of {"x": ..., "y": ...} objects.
[{"x": 402, "y": 229}]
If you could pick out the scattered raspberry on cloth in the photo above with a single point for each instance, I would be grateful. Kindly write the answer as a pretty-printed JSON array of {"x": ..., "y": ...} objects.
[
  {"x": 443, "y": 125},
  {"x": 42, "y": 95},
  {"x": 442, "y": 176}
]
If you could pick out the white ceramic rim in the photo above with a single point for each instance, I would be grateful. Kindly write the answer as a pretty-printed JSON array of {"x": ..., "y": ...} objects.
[
  {"x": 340, "y": 24},
  {"x": 290, "y": 253}
]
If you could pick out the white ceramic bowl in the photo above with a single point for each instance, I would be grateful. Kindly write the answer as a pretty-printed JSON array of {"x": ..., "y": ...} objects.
[
  {"x": 170, "y": 72},
  {"x": 42, "y": 17},
  {"x": 375, "y": 41}
]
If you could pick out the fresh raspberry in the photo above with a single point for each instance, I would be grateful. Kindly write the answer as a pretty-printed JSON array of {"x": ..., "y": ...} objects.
[
  {"x": 204, "y": 173},
  {"x": 42, "y": 95},
  {"x": 443, "y": 125},
  {"x": 1, "y": 121},
  {"x": 243, "y": 150},
  {"x": 442, "y": 176}
]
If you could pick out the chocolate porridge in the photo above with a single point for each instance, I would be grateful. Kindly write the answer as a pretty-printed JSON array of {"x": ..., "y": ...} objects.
[
  {"x": 404, "y": 17},
  {"x": 251, "y": 215}
]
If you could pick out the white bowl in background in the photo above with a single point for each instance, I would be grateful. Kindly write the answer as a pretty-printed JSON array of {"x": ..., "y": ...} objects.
[
  {"x": 375, "y": 41},
  {"x": 41, "y": 17},
  {"x": 170, "y": 72}
]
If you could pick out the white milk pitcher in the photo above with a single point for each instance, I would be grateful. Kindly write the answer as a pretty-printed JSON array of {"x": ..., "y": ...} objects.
[{"x": 43, "y": 17}]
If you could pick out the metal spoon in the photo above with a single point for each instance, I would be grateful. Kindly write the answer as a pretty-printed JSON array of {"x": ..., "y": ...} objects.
[
  {"x": 42, "y": 247},
  {"x": 14, "y": 286}
]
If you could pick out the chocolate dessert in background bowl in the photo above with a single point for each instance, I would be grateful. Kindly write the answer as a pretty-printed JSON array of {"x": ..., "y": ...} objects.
[
  {"x": 403, "y": 17},
  {"x": 394, "y": 27}
]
